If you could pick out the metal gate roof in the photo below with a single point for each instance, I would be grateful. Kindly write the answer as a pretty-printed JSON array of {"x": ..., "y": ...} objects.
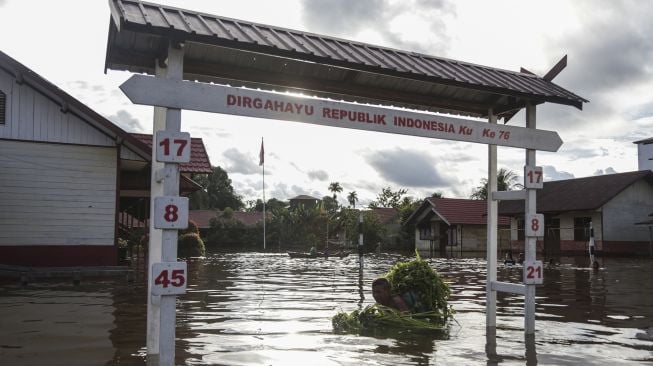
[{"x": 242, "y": 53}]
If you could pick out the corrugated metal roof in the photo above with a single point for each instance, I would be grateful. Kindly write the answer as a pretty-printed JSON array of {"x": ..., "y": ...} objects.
[
  {"x": 243, "y": 53},
  {"x": 645, "y": 141},
  {"x": 580, "y": 194},
  {"x": 199, "y": 159}
]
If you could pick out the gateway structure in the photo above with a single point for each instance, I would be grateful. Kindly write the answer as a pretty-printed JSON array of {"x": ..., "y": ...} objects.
[{"x": 181, "y": 48}]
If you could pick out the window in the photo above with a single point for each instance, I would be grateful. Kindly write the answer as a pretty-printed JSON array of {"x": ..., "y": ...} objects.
[
  {"x": 3, "y": 107},
  {"x": 425, "y": 233},
  {"x": 521, "y": 235},
  {"x": 582, "y": 228}
]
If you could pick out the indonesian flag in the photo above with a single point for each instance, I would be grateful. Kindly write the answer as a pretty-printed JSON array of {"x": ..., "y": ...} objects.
[{"x": 261, "y": 154}]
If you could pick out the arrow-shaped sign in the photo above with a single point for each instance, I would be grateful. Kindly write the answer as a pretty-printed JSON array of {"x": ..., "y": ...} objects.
[{"x": 148, "y": 90}]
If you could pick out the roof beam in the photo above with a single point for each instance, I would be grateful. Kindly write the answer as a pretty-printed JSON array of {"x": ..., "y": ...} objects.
[{"x": 329, "y": 88}]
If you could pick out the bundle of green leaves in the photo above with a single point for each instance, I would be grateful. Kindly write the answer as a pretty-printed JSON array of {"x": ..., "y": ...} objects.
[{"x": 415, "y": 280}]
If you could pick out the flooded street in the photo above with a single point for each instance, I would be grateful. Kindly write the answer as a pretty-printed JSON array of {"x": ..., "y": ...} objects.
[{"x": 269, "y": 309}]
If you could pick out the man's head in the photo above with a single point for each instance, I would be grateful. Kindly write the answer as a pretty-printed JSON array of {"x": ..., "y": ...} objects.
[{"x": 381, "y": 291}]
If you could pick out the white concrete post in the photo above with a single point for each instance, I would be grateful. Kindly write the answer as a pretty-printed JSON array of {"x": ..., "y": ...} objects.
[
  {"x": 164, "y": 242},
  {"x": 492, "y": 226},
  {"x": 156, "y": 235},
  {"x": 360, "y": 243},
  {"x": 530, "y": 243}
]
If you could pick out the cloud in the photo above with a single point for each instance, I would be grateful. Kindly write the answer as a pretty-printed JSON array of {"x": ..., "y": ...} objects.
[
  {"x": 583, "y": 152},
  {"x": 126, "y": 121},
  {"x": 616, "y": 59},
  {"x": 283, "y": 192},
  {"x": 551, "y": 173},
  {"x": 238, "y": 162},
  {"x": 409, "y": 169},
  {"x": 608, "y": 170},
  {"x": 394, "y": 21},
  {"x": 320, "y": 175}
]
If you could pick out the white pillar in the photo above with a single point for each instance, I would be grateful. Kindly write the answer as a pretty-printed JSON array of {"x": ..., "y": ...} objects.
[
  {"x": 492, "y": 226},
  {"x": 161, "y": 328},
  {"x": 530, "y": 243}
]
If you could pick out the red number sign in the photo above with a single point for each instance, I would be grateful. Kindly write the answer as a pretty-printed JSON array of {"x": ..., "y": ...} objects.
[
  {"x": 533, "y": 177},
  {"x": 170, "y": 212},
  {"x": 533, "y": 273},
  {"x": 168, "y": 278},
  {"x": 534, "y": 225},
  {"x": 173, "y": 147}
]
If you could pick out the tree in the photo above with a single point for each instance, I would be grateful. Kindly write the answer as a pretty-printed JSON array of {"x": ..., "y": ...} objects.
[
  {"x": 437, "y": 194},
  {"x": 389, "y": 198},
  {"x": 335, "y": 188},
  {"x": 506, "y": 181},
  {"x": 217, "y": 192},
  {"x": 352, "y": 197}
]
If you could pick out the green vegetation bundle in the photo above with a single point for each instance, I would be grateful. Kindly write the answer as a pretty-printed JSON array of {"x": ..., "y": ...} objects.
[
  {"x": 415, "y": 281},
  {"x": 190, "y": 245}
]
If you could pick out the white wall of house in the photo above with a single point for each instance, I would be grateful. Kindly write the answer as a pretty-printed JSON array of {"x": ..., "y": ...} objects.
[
  {"x": 630, "y": 206},
  {"x": 58, "y": 173},
  {"x": 567, "y": 224},
  {"x": 31, "y": 116},
  {"x": 57, "y": 194},
  {"x": 471, "y": 237},
  {"x": 645, "y": 156}
]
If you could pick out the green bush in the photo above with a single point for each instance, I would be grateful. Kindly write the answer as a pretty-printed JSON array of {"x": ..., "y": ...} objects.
[
  {"x": 191, "y": 229},
  {"x": 190, "y": 245}
]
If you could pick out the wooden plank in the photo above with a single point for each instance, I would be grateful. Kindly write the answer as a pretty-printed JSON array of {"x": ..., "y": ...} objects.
[
  {"x": 509, "y": 195},
  {"x": 280, "y": 106},
  {"x": 513, "y": 288}
]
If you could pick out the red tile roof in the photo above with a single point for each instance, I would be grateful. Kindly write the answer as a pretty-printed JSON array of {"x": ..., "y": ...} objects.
[
  {"x": 199, "y": 159},
  {"x": 386, "y": 214},
  {"x": 463, "y": 211},
  {"x": 203, "y": 217}
]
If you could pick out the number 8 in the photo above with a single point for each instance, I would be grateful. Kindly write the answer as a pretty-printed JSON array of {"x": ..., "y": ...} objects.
[
  {"x": 171, "y": 213},
  {"x": 535, "y": 224}
]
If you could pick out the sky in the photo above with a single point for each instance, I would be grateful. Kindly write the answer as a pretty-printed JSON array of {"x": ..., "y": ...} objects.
[{"x": 608, "y": 43}]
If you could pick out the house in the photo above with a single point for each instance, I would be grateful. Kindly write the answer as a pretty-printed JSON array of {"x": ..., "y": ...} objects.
[
  {"x": 453, "y": 225},
  {"x": 71, "y": 180},
  {"x": 203, "y": 218},
  {"x": 389, "y": 219},
  {"x": 644, "y": 154},
  {"x": 611, "y": 203},
  {"x": 303, "y": 200}
]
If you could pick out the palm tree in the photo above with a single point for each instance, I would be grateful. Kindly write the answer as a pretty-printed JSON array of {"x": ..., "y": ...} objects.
[
  {"x": 352, "y": 197},
  {"x": 335, "y": 188},
  {"x": 506, "y": 181}
]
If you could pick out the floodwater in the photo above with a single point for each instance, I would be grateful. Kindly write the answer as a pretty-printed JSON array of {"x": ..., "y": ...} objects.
[{"x": 269, "y": 309}]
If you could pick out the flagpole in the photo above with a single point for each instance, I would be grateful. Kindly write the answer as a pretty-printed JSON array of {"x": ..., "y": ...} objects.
[{"x": 262, "y": 161}]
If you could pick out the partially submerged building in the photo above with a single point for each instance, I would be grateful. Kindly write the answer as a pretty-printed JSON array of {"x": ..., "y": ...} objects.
[
  {"x": 445, "y": 225},
  {"x": 71, "y": 179},
  {"x": 611, "y": 203}
]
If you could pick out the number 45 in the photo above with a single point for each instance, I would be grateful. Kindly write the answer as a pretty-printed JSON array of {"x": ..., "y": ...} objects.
[{"x": 177, "y": 278}]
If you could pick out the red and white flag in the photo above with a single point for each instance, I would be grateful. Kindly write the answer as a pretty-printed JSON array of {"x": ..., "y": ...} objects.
[{"x": 261, "y": 154}]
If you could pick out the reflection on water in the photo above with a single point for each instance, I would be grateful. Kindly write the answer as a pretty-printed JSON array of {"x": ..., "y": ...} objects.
[{"x": 269, "y": 309}]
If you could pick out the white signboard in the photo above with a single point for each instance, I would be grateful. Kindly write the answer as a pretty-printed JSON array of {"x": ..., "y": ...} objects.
[
  {"x": 533, "y": 177},
  {"x": 533, "y": 273},
  {"x": 169, "y": 278},
  {"x": 141, "y": 89},
  {"x": 170, "y": 212},
  {"x": 173, "y": 147},
  {"x": 534, "y": 225}
]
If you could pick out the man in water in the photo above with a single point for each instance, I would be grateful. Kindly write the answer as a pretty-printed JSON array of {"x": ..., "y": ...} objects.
[{"x": 382, "y": 295}]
